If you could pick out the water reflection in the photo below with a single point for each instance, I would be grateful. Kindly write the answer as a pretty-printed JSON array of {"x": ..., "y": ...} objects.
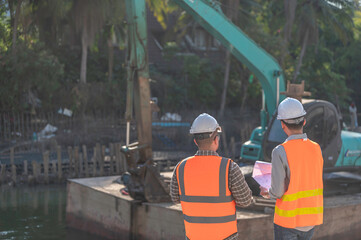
[{"x": 35, "y": 213}]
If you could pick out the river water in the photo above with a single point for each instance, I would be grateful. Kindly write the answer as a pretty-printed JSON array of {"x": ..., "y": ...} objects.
[{"x": 36, "y": 213}]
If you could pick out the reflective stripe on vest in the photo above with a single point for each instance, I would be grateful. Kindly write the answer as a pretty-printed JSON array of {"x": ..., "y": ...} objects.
[
  {"x": 302, "y": 203},
  {"x": 210, "y": 216}
]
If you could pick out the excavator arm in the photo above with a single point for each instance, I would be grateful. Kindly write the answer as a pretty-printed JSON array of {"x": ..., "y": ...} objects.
[{"x": 210, "y": 16}]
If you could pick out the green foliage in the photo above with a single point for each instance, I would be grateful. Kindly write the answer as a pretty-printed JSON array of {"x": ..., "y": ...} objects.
[{"x": 32, "y": 73}]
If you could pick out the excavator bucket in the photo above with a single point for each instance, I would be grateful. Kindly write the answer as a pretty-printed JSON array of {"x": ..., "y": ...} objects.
[{"x": 145, "y": 182}]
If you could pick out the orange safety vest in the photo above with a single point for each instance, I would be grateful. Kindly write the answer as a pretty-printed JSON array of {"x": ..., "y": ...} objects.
[
  {"x": 302, "y": 204},
  {"x": 209, "y": 210}
]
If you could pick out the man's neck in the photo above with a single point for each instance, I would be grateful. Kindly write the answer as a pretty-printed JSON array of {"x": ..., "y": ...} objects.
[{"x": 295, "y": 132}]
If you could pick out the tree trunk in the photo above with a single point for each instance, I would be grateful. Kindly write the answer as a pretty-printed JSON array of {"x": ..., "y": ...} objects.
[
  {"x": 15, "y": 28},
  {"x": 302, "y": 54},
  {"x": 84, "y": 55},
  {"x": 110, "y": 58},
  {"x": 290, "y": 10},
  {"x": 225, "y": 84},
  {"x": 232, "y": 13}
]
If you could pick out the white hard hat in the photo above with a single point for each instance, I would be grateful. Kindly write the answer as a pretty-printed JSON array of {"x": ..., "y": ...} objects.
[
  {"x": 204, "y": 123},
  {"x": 291, "y": 108}
]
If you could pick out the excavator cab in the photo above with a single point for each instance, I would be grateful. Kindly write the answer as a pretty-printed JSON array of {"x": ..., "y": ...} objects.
[{"x": 322, "y": 126}]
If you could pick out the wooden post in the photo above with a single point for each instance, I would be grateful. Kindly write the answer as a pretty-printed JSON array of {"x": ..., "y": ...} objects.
[
  {"x": 102, "y": 158},
  {"x": 111, "y": 159},
  {"x": 54, "y": 168},
  {"x": 85, "y": 154},
  {"x": 46, "y": 166},
  {"x": 117, "y": 158},
  {"x": 98, "y": 158},
  {"x": 13, "y": 167},
  {"x": 60, "y": 166},
  {"x": 25, "y": 167},
  {"x": 233, "y": 148},
  {"x": 12, "y": 160},
  {"x": 224, "y": 140},
  {"x": 70, "y": 153},
  {"x": 80, "y": 165},
  {"x": 46, "y": 202},
  {"x": 35, "y": 170},
  {"x": 76, "y": 161},
  {"x": 94, "y": 160},
  {"x": 168, "y": 165},
  {"x": 2, "y": 173},
  {"x": 123, "y": 162},
  {"x": 13, "y": 173}
]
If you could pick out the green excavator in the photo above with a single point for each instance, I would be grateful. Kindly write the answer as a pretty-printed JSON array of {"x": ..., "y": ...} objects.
[{"x": 341, "y": 149}]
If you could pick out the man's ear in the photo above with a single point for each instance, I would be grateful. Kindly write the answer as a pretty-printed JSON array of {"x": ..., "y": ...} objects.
[
  {"x": 283, "y": 125},
  {"x": 195, "y": 142},
  {"x": 304, "y": 122}
]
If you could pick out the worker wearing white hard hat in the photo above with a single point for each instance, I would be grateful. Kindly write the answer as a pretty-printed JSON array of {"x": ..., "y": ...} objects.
[
  {"x": 207, "y": 184},
  {"x": 296, "y": 179}
]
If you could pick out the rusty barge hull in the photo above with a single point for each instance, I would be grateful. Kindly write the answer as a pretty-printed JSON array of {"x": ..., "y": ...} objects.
[{"x": 96, "y": 206}]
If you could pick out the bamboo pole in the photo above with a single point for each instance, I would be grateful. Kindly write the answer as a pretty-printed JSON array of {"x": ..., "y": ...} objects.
[
  {"x": 85, "y": 154},
  {"x": 60, "y": 167},
  {"x": 46, "y": 166}
]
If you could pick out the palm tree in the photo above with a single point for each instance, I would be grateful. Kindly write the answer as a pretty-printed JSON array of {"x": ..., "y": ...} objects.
[
  {"x": 89, "y": 18},
  {"x": 312, "y": 15}
]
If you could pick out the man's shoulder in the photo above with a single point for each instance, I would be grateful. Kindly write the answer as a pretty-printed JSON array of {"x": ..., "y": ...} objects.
[{"x": 278, "y": 149}]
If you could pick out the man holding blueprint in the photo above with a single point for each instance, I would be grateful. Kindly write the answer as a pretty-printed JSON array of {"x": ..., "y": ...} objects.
[{"x": 296, "y": 177}]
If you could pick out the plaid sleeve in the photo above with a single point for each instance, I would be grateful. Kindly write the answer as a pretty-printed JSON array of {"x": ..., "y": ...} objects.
[
  {"x": 238, "y": 186},
  {"x": 174, "y": 189}
]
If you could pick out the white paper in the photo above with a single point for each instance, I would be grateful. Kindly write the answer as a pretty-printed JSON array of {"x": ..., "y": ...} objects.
[{"x": 262, "y": 173}]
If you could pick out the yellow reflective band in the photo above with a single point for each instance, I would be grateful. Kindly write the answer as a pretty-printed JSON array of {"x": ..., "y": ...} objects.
[
  {"x": 302, "y": 194},
  {"x": 298, "y": 211}
]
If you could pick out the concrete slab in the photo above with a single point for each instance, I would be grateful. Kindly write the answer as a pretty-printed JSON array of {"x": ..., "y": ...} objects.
[{"x": 95, "y": 205}]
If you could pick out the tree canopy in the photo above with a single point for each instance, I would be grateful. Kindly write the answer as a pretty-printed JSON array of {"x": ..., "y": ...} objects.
[{"x": 71, "y": 53}]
